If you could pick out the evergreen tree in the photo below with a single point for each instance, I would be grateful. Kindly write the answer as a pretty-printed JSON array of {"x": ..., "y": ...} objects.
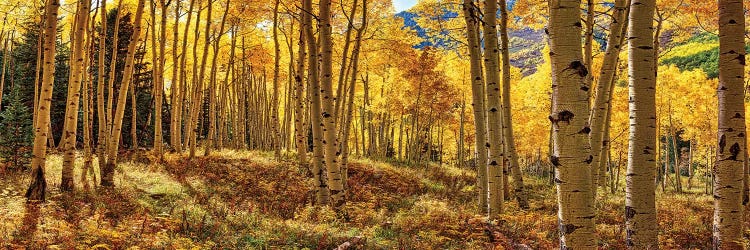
[
  {"x": 15, "y": 132},
  {"x": 25, "y": 56},
  {"x": 142, "y": 77}
]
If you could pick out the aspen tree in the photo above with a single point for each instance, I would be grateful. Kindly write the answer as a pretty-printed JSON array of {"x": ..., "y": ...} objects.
[
  {"x": 155, "y": 61},
  {"x": 38, "y": 186},
  {"x": 6, "y": 58},
  {"x": 322, "y": 195},
  {"x": 728, "y": 210},
  {"x": 133, "y": 113},
  {"x": 675, "y": 154},
  {"x": 477, "y": 92},
  {"x": 107, "y": 175},
  {"x": 190, "y": 90},
  {"x": 640, "y": 207},
  {"x": 276, "y": 71},
  {"x": 345, "y": 65},
  {"x": 111, "y": 82},
  {"x": 38, "y": 69},
  {"x": 159, "y": 81},
  {"x": 494, "y": 111},
  {"x": 571, "y": 150},
  {"x": 175, "y": 92},
  {"x": 510, "y": 147},
  {"x": 352, "y": 85},
  {"x": 227, "y": 98},
  {"x": 299, "y": 88},
  {"x": 183, "y": 83},
  {"x": 102, "y": 116},
  {"x": 198, "y": 81},
  {"x": 88, "y": 107},
  {"x": 75, "y": 79},
  {"x": 212, "y": 88},
  {"x": 603, "y": 96},
  {"x": 690, "y": 164},
  {"x": 330, "y": 142}
]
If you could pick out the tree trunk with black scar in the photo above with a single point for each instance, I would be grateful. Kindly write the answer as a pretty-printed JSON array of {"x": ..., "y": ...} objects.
[
  {"x": 88, "y": 107},
  {"x": 101, "y": 115},
  {"x": 478, "y": 95},
  {"x": 275, "y": 132},
  {"x": 496, "y": 160},
  {"x": 352, "y": 87},
  {"x": 211, "y": 142},
  {"x": 38, "y": 186},
  {"x": 107, "y": 176},
  {"x": 570, "y": 113},
  {"x": 299, "y": 106},
  {"x": 728, "y": 210},
  {"x": 640, "y": 206},
  {"x": 159, "y": 81},
  {"x": 183, "y": 93},
  {"x": 111, "y": 83},
  {"x": 330, "y": 142},
  {"x": 175, "y": 105},
  {"x": 322, "y": 194},
  {"x": 602, "y": 101},
  {"x": 510, "y": 147},
  {"x": 75, "y": 80}
]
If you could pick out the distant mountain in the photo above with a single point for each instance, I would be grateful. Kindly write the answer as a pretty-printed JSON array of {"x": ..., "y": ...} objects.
[{"x": 525, "y": 44}]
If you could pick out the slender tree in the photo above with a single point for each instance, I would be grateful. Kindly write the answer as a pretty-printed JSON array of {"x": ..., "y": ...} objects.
[
  {"x": 640, "y": 205},
  {"x": 6, "y": 58},
  {"x": 275, "y": 132},
  {"x": 212, "y": 88},
  {"x": 299, "y": 89},
  {"x": 159, "y": 79},
  {"x": 111, "y": 82},
  {"x": 510, "y": 144},
  {"x": 728, "y": 214},
  {"x": 495, "y": 146},
  {"x": 75, "y": 79},
  {"x": 176, "y": 86},
  {"x": 183, "y": 83},
  {"x": 330, "y": 142},
  {"x": 603, "y": 94},
  {"x": 477, "y": 92},
  {"x": 322, "y": 195},
  {"x": 102, "y": 116},
  {"x": 107, "y": 175},
  {"x": 352, "y": 85},
  {"x": 38, "y": 186}
]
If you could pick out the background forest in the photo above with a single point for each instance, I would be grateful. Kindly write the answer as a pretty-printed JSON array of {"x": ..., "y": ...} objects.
[{"x": 327, "y": 124}]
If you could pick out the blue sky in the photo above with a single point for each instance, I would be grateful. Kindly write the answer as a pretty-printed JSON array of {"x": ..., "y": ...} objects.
[{"x": 402, "y": 5}]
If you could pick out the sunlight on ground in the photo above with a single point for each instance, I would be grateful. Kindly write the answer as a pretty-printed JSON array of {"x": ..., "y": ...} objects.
[{"x": 248, "y": 200}]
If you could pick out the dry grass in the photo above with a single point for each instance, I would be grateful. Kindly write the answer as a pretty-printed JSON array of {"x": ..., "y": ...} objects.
[{"x": 248, "y": 200}]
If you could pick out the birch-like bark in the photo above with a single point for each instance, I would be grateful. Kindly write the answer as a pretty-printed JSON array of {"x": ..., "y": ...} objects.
[
  {"x": 496, "y": 161},
  {"x": 510, "y": 147},
  {"x": 570, "y": 112},
  {"x": 603, "y": 97},
  {"x": 471, "y": 17},
  {"x": 38, "y": 186},
  {"x": 322, "y": 194},
  {"x": 728, "y": 209},
  {"x": 330, "y": 142},
  {"x": 107, "y": 175},
  {"x": 640, "y": 206},
  {"x": 74, "y": 96}
]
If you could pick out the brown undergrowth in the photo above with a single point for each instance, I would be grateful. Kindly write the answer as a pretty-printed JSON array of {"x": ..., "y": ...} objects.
[{"x": 249, "y": 200}]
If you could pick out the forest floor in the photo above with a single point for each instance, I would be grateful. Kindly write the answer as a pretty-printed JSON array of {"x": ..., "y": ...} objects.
[{"x": 247, "y": 200}]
